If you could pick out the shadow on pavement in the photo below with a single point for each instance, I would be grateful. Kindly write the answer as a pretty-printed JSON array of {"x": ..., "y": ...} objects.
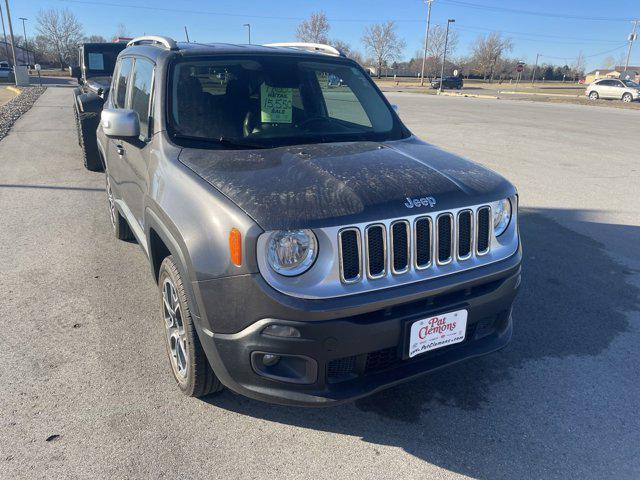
[{"x": 558, "y": 402}]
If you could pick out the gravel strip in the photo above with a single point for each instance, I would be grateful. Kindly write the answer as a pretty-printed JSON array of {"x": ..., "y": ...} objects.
[{"x": 13, "y": 109}]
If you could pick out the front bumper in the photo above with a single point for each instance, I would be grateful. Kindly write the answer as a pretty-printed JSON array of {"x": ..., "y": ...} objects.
[{"x": 350, "y": 347}]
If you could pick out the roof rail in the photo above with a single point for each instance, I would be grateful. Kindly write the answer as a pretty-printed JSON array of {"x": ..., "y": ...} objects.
[
  {"x": 314, "y": 47},
  {"x": 166, "y": 42}
]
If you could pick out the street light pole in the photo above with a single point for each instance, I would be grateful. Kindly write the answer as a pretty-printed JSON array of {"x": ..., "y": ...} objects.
[
  {"x": 248, "y": 25},
  {"x": 632, "y": 37},
  {"x": 24, "y": 31},
  {"x": 426, "y": 41},
  {"x": 444, "y": 54},
  {"x": 4, "y": 34},
  {"x": 533, "y": 75},
  {"x": 13, "y": 48}
]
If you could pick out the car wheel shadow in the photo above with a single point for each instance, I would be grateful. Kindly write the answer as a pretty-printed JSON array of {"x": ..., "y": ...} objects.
[{"x": 559, "y": 401}]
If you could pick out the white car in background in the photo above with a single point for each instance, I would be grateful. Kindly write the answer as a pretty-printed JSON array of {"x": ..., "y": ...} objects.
[
  {"x": 5, "y": 70},
  {"x": 612, "y": 88}
]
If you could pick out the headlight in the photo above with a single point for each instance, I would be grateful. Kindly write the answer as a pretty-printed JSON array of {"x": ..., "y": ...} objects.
[
  {"x": 501, "y": 216},
  {"x": 292, "y": 252}
]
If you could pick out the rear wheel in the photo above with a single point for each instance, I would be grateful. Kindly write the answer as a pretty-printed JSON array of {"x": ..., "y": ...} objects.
[
  {"x": 593, "y": 96},
  {"x": 627, "y": 98},
  {"x": 87, "y": 126},
  {"x": 189, "y": 363}
]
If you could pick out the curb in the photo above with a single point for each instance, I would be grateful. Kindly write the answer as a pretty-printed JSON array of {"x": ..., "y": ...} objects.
[
  {"x": 565, "y": 95},
  {"x": 471, "y": 95},
  {"x": 15, "y": 90}
]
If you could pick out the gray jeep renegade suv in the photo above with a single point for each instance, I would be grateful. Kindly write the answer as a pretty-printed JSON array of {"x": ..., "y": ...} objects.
[{"x": 308, "y": 249}]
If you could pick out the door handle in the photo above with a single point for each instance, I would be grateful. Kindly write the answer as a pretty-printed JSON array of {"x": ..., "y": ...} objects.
[{"x": 120, "y": 149}]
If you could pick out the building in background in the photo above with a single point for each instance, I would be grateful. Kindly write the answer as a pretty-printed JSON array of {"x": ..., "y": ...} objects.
[{"x": 631, "y": 73}]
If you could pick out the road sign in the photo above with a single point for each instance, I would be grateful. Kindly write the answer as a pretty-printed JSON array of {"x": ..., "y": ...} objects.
[
  {"x": 520, "y": 68},
  {"x": 455, "y": 73}
]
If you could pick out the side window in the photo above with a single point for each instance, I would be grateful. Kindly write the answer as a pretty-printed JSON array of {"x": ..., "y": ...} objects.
[
  {"x": 341, "y": 102},
  {"x": 121, "y": 83},
  {"x": 141, "y": 92}
]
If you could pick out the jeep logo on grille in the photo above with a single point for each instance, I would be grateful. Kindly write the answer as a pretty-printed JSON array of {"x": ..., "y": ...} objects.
[{"x": 420, "y": 202}]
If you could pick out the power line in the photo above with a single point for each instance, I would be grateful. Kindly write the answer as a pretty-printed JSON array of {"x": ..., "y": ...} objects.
[
  {"x": 537, "y": 35},
  {"x": 566, "y": 16},
  {"x": 226, "y": 14}
]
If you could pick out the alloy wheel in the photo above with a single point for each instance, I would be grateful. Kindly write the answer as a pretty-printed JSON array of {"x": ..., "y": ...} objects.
[{"x": 174, "y": 327}]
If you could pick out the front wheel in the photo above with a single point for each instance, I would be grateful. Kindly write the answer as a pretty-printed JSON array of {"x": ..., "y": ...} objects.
[
  {"x": 627, "y": 98},
  {"x": 593, "y": 96},
  {"x": 189, "y": 364}
]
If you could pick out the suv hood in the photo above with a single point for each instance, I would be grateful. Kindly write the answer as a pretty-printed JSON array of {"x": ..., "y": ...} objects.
[{"x": 320, "y": 185}]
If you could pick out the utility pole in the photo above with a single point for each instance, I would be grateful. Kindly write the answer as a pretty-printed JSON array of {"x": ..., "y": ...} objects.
[
  {"x": 4, "y": 34},
  {"x": 632, "y": 37},
  {"x": 248, "y": 25},
  {"x": 533, "y": 75},
  {"x": 13, "y": 48},
  {"x": 444, "y": 54},
  {"x": 186, "y": 34},
  {"x": 26, "y": 46},
  {"x": 426, "y": 41}
]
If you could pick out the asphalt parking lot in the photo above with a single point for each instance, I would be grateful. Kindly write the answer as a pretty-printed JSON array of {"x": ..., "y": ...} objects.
[{"x": 86, "y": 389}]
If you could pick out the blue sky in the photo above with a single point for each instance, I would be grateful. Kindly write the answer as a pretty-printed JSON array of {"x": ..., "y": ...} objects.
[{"x": 556, "y": 31}]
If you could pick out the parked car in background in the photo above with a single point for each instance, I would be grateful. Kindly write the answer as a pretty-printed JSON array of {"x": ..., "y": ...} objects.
[
  {"x": 307, "y": 248},
  {"x": 95, "y": 68},
  {"x": 613, "y": 89},
  {"x": 449, "y": 82},
  {"x": 5, "y": 70}
]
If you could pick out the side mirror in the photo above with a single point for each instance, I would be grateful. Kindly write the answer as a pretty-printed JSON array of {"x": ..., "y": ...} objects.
[
  {"x": 395, "y": 107},
  {"x": 120, "y": 123}
]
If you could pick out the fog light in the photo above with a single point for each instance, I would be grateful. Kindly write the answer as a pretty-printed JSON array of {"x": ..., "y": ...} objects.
[
  {"x": 281, "y": 331},
  {"x": 269, "y": 359}
]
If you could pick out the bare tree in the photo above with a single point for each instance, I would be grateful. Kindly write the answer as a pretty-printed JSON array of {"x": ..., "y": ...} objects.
[
  {"x": 437, "y": 39},
  {"x": 95, "y": 39},
  {"x": 345, "y": 48},
  {"x": 487, "y": 50},
  {"x": 121, "y": 31},
  {"x": 609, "y": 62},
  {"x": 63, "y": 32},
  {"x": 577, "y": 67},
  {"x": 382, "y": 43},
  {"x": 315, "y": 29}
]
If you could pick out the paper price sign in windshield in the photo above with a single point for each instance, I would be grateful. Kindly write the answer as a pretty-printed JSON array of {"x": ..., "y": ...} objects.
[{"x": 275, "y": 104}]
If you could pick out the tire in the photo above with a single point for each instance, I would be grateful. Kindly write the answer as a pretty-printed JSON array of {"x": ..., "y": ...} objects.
[
  {"x": 593, "y": 95},
  {"x": 121, "y": 229},
  {"x": 627, "y": 98},
  {"x": 78, "y": 132},
  {"x": 189, "y": 364},
  {"x": 87, "y": 126}
]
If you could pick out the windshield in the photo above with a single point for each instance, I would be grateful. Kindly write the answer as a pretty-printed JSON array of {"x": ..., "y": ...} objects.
[
  {"x": 629, "y": 83},
  {"x": 263, "y": 101}
]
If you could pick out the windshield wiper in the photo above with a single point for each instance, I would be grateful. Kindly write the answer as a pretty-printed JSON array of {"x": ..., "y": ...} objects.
[{"x": 237, "y": 142}]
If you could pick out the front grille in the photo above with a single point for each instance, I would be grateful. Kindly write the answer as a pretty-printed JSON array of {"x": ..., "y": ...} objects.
[
  {"x": 423, "y": 242},
  {"x": 376, "y": 251},
  {"x": 484, "y": 224},
  {"x": 381, "y": 360},
  {"x": 464, "y": 234},
  {"x": 341, "y": 368},
  {"x": 400, "y": 246},
  {"x": 445, "y": 238},
  {"x": 350, "y": 254},
  {"x": 421, "y": 245}
]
